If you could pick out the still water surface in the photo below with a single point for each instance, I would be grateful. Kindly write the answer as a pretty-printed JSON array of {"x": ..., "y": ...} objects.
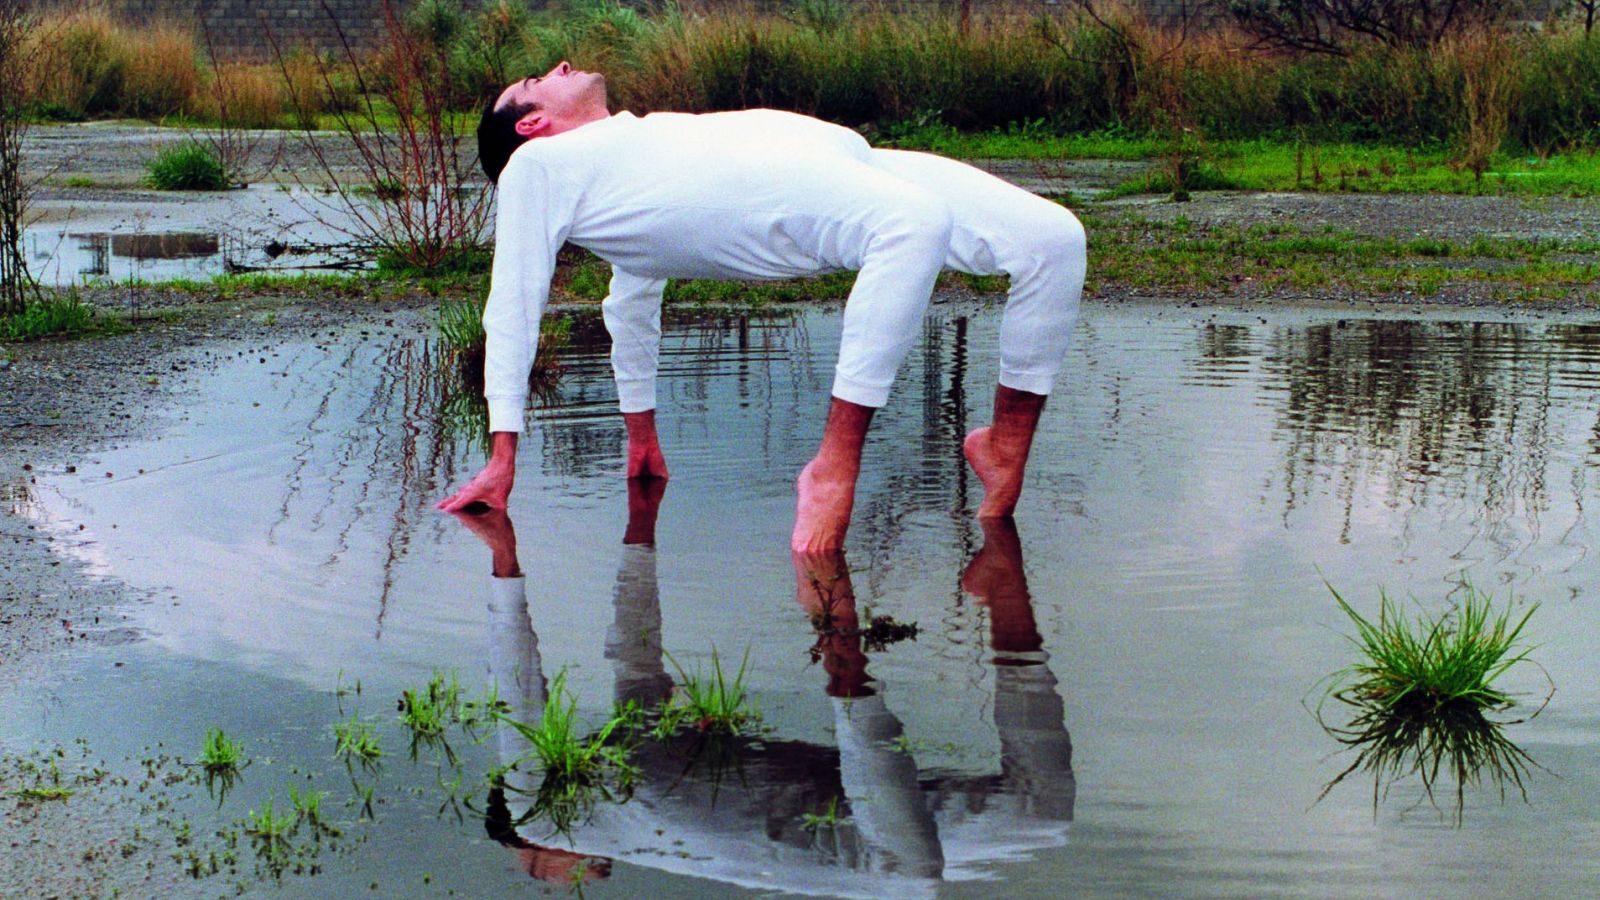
[{"x": 1109, "y": 699}]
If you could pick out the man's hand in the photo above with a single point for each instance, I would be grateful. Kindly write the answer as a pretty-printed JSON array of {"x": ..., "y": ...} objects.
[{"x": 492, "y": 486}]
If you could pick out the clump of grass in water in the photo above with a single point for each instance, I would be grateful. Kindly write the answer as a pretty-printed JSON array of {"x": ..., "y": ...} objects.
[
  {"x": 356, "y": 742},
  {"x": 1424, "y": 693},
  {"x": 429, "y": 711},
  {"x": 828, "y": 818},
  {"x": 713, "y": 704},
  {"x": 579, "y": 770},
  {"x": 267, "y": 826},
  {"x": 190, "y": 167},
  {"x": 221, "y": 754}
]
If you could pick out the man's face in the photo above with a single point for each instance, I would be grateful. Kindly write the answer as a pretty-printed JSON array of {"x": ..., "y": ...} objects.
[{"x": 560, "y": 93}]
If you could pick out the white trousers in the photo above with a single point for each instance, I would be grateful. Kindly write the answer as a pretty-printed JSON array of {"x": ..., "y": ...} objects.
[{"x": 927, "y": 213}]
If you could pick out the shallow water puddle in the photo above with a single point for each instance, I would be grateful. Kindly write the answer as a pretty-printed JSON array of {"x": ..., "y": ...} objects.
[
  {"x": 161, "y": 237},
  {"x": 1109, "y": 698}
]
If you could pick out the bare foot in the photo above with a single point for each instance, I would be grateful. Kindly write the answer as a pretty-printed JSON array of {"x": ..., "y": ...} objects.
[
  {"x": 646, "y": 461},
  {"x": 822, "y": 515},
  {"x": 644, "y": 448},
  {"x": 1001, "y": 476}
]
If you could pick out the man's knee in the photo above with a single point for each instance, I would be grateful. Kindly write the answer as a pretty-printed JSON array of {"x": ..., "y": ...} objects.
[{"x": 1061, "y": 242}]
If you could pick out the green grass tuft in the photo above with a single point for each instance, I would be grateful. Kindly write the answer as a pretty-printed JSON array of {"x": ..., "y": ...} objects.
[
  {"x": 1423, "y": 694},
  {"x": 1428, "y": 663},
  {"x": 827, "y": 818},
  {"x": 53, "y": 316},
  {"x": 711, "y": 704},
  {"x": 578, "y": 769},
  {"x": 221, "y": 754},
  {"x": 263, "y": 824},
  {"x": 356, "y": 741},
  {"x": 190, "y": 167}
]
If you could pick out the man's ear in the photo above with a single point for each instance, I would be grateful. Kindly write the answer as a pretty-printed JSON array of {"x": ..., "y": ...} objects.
[{"x": 533, "y": 124}]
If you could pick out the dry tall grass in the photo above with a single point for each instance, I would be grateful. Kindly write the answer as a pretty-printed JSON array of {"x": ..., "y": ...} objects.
[
  {"x": 244, "y": 95},
  {"x": 164, "y": 76}
]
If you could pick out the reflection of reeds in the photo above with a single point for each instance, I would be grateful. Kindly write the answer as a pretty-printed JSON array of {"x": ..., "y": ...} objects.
[
  {"x": 1415, "y": 738},
  {"x": 461, "y": 408},
  {"x": 1422, "y": 697}
]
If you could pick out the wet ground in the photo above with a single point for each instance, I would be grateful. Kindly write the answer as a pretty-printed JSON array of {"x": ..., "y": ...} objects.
[{"x": 1109, "y": 699}]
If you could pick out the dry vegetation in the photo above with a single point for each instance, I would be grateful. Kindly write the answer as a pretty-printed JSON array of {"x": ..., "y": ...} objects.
[{"x": 1078, "y": 70}]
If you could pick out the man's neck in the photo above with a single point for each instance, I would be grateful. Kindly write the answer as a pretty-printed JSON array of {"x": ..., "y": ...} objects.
[{"x": 578, "y": 120}]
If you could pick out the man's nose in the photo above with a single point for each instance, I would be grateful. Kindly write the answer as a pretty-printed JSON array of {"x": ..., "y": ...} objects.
[{"x": 561, "y": 68}]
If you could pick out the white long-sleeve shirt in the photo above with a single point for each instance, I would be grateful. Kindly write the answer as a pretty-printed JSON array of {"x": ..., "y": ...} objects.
[{"x": 749, "y": 194}]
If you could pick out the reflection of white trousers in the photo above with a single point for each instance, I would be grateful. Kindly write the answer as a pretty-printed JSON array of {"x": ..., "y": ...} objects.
[{"x": 945, "y": 214}]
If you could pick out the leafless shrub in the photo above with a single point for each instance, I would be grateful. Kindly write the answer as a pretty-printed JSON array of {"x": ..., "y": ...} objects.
[
  {"x": 17, "y": 23},
  {"x": 241, "y": 101},
  {"x": 412, "y": 201},
  {"x": 1334, "y": 26}
]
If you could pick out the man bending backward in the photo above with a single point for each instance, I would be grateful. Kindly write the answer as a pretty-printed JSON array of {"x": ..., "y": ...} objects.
[{"x": 761, "y": 194}]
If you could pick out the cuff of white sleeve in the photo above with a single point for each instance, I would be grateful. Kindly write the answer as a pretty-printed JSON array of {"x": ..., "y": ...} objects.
[
  {"x": 852, "y": 391},
  {"x": 507, "y": 595},
  {"x": 507, "y": 412},
  {"x": 1033, "y": 384},
  {"x": 636, "y": 394}
]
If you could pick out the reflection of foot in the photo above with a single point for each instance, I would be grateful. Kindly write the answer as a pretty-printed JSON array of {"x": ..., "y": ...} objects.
[
  {"x": 996, "y": 578},
  {"x": 644, "y": 504},
  {"x": 822, "y": 514},
  {"x": 822, "y": 584},
  {"x": 823, "y": 590},
  {"x": 999, "y": 470},
  {"x": 997, "y": 569},
  {"x": 554, "y": 865}
]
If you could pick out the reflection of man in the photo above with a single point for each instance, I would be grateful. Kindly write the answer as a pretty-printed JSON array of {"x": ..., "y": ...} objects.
[
  {"x": 899, "y": 833},
  {"x": 761, "y": 194}
]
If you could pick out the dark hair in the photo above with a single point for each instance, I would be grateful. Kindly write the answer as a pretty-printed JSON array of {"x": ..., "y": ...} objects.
[{"x": 497, "y": 136}]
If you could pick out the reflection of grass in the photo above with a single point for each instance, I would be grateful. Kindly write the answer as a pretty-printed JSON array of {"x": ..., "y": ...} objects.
[
  {"x": 578, "y": 769},
  {"x": 710, "y": 703},
  {"x": 1422, "y": 695},
  {"x": 828, "y": 818}
]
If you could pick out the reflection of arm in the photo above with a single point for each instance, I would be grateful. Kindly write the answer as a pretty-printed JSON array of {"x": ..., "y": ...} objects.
[
  {"x": 534, "y": 215},
  {"x": 633, "y": 316},
  {"x": 516, "y": 669}
]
